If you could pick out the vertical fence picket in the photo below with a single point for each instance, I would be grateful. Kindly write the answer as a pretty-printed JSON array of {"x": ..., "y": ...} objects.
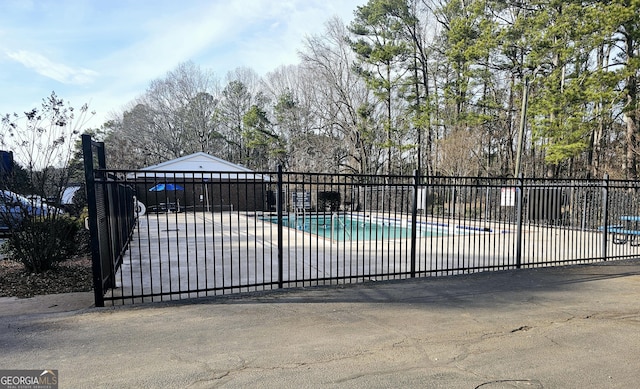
[
  {"x": 279, "y": 201},
  {"x": 414, "y": 221},
  {"x": 605, "y": 215},
  {"x": 519, "y": 220}
]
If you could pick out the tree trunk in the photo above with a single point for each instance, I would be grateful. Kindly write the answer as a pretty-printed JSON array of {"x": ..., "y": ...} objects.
[{"x": 631, "y": 114}]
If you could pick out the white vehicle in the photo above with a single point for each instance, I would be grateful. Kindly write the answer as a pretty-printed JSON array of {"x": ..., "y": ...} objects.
[{"x": 14, "y": 208}]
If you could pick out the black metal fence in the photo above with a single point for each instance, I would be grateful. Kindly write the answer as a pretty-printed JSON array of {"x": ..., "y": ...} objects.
[
  {"x": 172, "y": 235},
  {"x": 111, "y": 219}
]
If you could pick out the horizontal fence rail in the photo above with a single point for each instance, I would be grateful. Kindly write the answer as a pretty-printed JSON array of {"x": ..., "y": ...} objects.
[{"x": 197, "y": 234}]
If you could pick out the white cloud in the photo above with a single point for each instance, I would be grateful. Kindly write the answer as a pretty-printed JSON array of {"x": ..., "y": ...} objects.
[
  {"x": 124, "y": 48},
  {"x": 56, "y": 71},
  {"x": 220, "y": 36}
]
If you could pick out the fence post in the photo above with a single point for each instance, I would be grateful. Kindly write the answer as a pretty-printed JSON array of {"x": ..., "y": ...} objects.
[
  {"x": 96, "y": 263},
  {"x": 414, "y": 216},
  {"x": 605, "y": 215},
  {"x": 520, "y": 194},
  {"x": 279, "y": 201}
]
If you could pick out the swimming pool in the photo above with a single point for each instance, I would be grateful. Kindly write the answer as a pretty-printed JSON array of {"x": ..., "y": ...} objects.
[{"x": 352, "y": 227}]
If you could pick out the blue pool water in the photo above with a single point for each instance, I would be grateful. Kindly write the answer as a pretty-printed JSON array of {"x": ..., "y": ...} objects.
[{"x": 344, "y": 227}]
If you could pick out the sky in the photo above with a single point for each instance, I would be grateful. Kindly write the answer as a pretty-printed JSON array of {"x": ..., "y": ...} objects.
[{"x": 106, "y": 53}]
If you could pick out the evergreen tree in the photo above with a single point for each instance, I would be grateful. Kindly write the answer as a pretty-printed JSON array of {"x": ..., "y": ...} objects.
[{"x": 382, "y": 53}]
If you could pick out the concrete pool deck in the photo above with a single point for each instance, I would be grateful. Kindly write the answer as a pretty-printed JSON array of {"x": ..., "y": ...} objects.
[
  {"x": 174, "y": 256},
  {"x": 562, "y": 327}
]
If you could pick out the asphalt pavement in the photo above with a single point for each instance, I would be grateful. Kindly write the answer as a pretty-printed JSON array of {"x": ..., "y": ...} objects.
[{"x": 563, "y": 327}]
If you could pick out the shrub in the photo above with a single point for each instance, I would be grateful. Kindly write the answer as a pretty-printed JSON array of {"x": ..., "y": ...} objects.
[{"x": 40, "y": 243}]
